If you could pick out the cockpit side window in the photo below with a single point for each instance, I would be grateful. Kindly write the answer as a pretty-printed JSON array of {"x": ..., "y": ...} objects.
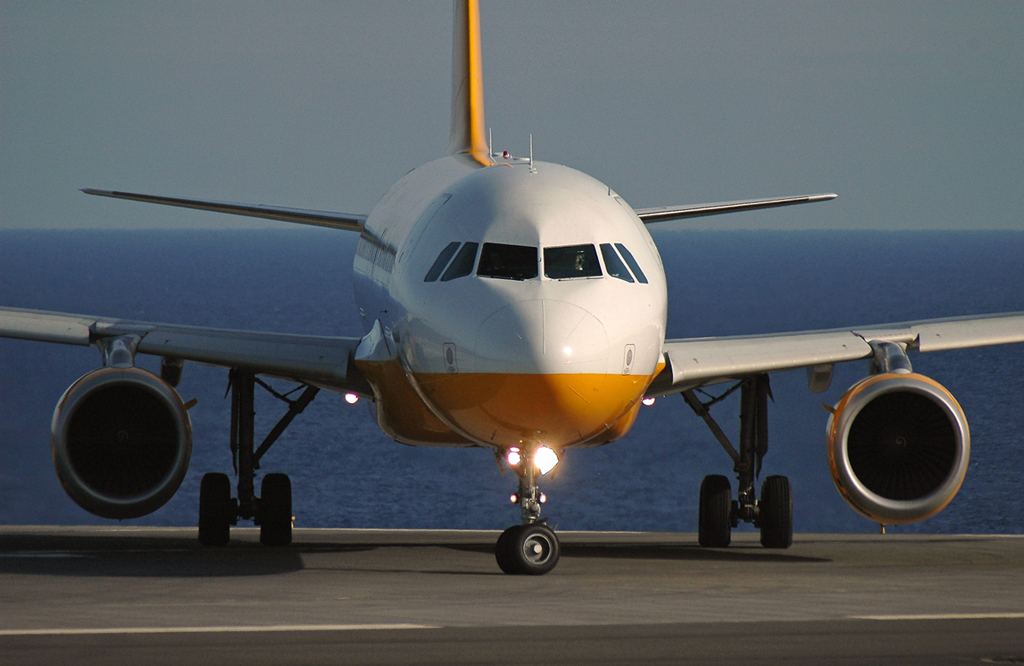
[
  {"x": 463, "y": 264},
  {"x": 572, "y": 261},
  {"x": 633, "y": 266},
  {"x": 613, "y": 264},
  {"x": 508, "y": 262},
  {"x": 441, "y": 261}
]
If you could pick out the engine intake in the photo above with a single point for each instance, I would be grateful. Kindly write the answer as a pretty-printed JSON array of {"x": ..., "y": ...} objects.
[
  {"x": 122, "y": 441},
  {"x": 898, "y": 447}
]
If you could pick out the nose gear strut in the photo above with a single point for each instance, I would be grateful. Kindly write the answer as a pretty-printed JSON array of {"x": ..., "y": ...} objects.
[{"x": 532, "y": 547}]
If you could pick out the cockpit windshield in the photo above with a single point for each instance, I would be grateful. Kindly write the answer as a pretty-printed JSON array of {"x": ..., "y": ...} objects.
[
  {"x": 463, "y": 264},
  {"x": 572, "y": 261},
  {"x": 613, "y": 264},
  {"x": 508, "y": 262}
]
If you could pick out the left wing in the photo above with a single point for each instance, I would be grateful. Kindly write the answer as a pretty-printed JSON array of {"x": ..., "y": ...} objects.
[
  {"x": 319, "y": 218},
  {"x": 323, "y": 361},
  {"x": 666, "y": 213},
  {"x": 694, "y": 362}
]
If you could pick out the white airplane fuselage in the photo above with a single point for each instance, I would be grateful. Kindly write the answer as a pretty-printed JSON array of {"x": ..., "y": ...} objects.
[{"x": 468, "y": 345}]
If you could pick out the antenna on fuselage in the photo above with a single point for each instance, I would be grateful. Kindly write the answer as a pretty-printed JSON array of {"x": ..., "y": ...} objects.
[{"x": 532, "y": 168}]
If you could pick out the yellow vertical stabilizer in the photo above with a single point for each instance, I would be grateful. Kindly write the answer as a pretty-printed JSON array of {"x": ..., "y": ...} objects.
[{"x": 467, "y": 137}]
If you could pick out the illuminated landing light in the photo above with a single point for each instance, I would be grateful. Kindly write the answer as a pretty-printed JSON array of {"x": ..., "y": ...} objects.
[
  {"x": 648, "y": 401},
  {"x": 545, "y": 459},
  {"x": 515, "y": 499},
  {"x": 513, "y": 456},
  {"x": 567, "y": 351},
  {"x": 543, "y": 498},
  {"x": 351, "y": 398}
]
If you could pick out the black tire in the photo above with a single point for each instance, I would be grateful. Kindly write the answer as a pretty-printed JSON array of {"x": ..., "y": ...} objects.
[
  {"x": 215, "y": 509},
  {"x": 503, "y": 550},
  {"x": 534, "y": 549},
  {"x": 276, "y": 510},
  {"x": 714, "y": 529},
  {"x": 776, "y": 513}
]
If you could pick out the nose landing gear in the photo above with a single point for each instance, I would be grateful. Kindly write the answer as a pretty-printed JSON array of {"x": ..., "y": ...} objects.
[{"x": 532, "y": 547}]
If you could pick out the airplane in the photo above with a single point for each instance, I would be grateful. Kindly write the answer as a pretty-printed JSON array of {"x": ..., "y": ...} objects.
[{"x": 520, "y": 306}]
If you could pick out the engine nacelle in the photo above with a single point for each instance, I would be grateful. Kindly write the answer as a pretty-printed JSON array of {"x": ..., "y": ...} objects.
[
  {"x": 122, "y": 441},
  {"x": 898, "y": 447}
]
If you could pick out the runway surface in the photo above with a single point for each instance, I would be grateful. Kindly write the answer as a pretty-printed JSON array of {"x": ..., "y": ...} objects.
[{"x": 152, "y": 595}]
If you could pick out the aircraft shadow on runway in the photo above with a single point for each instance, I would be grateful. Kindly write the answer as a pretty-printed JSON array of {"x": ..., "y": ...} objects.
[
  {"x": 141, "y": 556},
  {"x": 668, "y": 552}
]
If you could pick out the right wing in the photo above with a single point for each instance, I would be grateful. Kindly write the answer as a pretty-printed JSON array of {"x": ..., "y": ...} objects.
[
  {"x": 319, "y": 218},
  {"x": 323, "y": 361}
]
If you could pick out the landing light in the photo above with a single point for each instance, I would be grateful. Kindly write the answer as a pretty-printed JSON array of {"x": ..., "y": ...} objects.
[
  {"x": 515, "y": 498},
  {"x": 513, "y": 456},
  {"x": 351, "y": 398},
  {"x": 545, "y": 459},
  {"x": 648, "y": 401}
]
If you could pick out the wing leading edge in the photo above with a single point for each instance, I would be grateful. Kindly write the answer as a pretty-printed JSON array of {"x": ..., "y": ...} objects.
[
  {"x": 319, "y": 218},
  {"x": 323, "y": 361},
  {"x": 666, "y": 213},
  {"x": 701, "y": 361}
]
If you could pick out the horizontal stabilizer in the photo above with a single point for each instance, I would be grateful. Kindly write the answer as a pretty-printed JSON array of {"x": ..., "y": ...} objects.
[
  {"x": 666, "y": 213},
  {"x": 315, "y": 217}
]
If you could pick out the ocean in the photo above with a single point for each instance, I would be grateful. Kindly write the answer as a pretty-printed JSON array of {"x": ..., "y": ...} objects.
[{"x": 346, "y": 473}]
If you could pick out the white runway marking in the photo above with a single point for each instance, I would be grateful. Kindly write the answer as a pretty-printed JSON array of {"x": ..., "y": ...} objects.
[
  {"x": 44, "y": 554},
  {"x": 209, "y": 630},
  {"x": 943, "y": 616}
]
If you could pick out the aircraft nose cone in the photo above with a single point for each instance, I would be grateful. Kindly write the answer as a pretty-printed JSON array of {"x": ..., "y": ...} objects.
[{"x": 543, "y": 336}]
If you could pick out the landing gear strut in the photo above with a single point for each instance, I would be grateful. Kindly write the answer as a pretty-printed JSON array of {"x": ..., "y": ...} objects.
[
  {"x": 272, "y": 510},
  {"x": 532, "y": 547},
  {"x": 718, "y": 512}
]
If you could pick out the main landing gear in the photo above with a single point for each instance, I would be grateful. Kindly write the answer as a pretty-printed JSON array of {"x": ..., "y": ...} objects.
[
  {"x": 532, "y": 547},
  {"x": 272, "y": 510},
  {"x": 719, "y": 512}
]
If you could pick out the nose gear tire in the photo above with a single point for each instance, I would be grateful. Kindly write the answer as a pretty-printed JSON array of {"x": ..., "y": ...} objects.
[{"x": 531, "y": 549}]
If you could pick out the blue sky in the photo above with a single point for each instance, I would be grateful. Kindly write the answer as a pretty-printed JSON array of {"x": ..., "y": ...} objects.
[{"x": 912, "y": 112}]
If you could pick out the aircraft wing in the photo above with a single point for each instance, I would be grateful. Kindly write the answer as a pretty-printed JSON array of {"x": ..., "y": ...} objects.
[
  {"x": 694, "y": 362},
  {"x": 318, "y": 218},
  {"x": 666, "y": 213},
  {"x": 319, "y": 360}
]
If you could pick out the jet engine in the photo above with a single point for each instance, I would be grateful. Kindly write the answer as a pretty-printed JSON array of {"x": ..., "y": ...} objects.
[
  {"x": 898, "y": 447},
  {"x": 122, "y": 440}
]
